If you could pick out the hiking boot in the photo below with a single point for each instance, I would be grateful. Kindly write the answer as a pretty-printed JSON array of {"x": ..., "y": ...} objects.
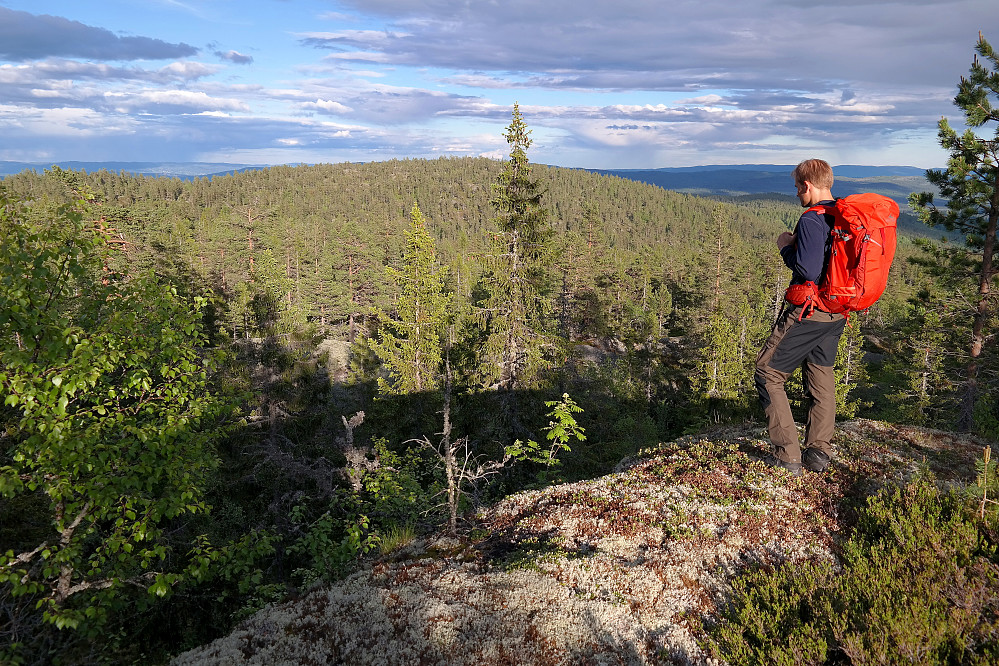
[
  {"x": 774, "y": 461},
  {"x": 815, "y": 460}
]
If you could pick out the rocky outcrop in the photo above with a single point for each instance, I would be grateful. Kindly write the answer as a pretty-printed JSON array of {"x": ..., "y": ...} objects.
[{"x": 623, "y": 569}]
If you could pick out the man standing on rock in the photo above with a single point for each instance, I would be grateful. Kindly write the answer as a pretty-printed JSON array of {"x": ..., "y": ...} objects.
[{"x": 808, "y": 342}]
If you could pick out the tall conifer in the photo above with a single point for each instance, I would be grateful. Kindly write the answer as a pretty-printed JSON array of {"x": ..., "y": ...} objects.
[
  {"x": 517, "y": 306},
  {"x": 969, "y": 184}
]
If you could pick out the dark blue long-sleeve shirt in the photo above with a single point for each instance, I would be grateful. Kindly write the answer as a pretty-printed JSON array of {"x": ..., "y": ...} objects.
[{"x": 808, "y": 255}]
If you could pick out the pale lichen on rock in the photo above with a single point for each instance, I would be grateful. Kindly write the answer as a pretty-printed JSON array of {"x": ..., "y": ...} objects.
[{"x": 616, "y": 570}]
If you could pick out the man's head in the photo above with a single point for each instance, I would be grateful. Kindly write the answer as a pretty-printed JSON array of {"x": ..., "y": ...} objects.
[{"x": 813, "y": 180}]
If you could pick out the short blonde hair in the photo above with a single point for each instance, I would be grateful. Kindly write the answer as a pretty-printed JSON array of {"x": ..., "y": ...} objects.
[{"x": 817, "y": 172}]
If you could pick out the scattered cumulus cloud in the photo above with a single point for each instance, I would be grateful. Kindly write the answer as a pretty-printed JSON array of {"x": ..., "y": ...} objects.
[
  {"x": 359, "y": 56},
  {"x": 171, "y": 101},
  {"x": 187, "y": 70},
  {"x": 234, "y": 57},
  {"x": 326, "y": 106},
  {"x": 58, "y": 72},
  {"x": 705, "y": 100},
  {"x": 352, "y": 39}
]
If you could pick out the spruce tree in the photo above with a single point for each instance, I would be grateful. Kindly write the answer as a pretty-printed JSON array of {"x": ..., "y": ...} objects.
[
  {"x": 969, "y": 184},
  {"x": 410, "y": 341},
  {"x": 923, "y": 384},
  {"x": 516, "y": 309}
]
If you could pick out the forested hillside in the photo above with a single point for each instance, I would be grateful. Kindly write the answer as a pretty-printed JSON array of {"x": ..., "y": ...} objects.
[
  {"x": 223, "y": 390},
  {"x": 672, "y": 290},
  {"x": 330, "y": 229}
]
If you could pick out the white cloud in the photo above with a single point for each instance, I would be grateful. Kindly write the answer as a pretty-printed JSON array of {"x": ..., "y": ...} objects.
[
  {"x": 359, "y": 56},
  {"x": 55, "y": 70},
  {"x": 327, "y": 106},
  {"x": 705, "y": 100},
  {"x": 188, "y": 70},
  {"x": 62, "y": 122},
  {"x": 180, "y": 101},
  {"x": 367, "y": 38}
]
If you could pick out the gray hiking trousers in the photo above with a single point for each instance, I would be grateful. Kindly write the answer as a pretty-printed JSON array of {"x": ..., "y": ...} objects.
[{"x": 810, "y": 344}]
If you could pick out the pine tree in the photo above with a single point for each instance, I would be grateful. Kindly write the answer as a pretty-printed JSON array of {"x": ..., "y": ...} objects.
[
  {"x": 928, "y": 347},
  {"x": 970, "y": 184}
]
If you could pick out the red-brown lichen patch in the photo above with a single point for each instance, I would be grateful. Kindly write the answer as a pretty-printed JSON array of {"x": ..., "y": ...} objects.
[{"x": 886, "y": 448}]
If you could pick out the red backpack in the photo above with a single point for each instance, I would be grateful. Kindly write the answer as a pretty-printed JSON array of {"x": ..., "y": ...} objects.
[{"x": 863, "y": 246}]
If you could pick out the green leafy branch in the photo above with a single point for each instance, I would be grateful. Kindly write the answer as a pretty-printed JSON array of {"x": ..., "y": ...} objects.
[{"x": 561, "y": 428}]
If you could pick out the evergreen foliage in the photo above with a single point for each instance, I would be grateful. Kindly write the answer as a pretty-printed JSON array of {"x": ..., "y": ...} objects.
[
  {"x": 970, "y": 185},
  {"x": 516, "y": 308},
  {"x": 410, "y": 345}
]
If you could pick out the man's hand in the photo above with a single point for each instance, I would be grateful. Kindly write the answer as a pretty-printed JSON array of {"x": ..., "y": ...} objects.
[{"x": 786, "y": 238}]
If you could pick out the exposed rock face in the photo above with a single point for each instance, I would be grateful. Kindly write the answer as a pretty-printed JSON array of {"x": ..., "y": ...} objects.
[{"x": 618, "y": 570}]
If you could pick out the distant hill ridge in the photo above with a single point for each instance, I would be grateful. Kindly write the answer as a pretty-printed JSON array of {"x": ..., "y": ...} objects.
[
  {"x": 737, "y": 180},
  {"x": 842, "y": 170},
  {"x": 729, "y": 180},
  {"x": 168, "y": 169}
]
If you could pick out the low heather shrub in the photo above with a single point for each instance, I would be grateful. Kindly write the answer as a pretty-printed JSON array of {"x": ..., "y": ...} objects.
[{"x": 917, "y": 583}]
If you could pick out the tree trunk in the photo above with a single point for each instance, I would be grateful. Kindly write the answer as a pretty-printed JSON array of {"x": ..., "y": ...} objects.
[
  {"x": 447, "y": 448},
  {"x": 982, "y": 312}
]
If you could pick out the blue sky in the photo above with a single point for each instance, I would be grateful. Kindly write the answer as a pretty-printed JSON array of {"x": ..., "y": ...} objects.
[{"x": 624, "y": 84}]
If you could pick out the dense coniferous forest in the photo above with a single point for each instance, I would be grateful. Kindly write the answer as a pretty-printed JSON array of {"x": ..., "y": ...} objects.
[{"x": 223, "y": 390}]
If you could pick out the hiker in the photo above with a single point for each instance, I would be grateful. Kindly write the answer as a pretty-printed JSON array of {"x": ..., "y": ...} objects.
[{"x": 808, "y": 341}]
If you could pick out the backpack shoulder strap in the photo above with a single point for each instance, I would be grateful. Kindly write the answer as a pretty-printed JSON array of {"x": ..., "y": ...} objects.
[{"x": 825, "y": 209}]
